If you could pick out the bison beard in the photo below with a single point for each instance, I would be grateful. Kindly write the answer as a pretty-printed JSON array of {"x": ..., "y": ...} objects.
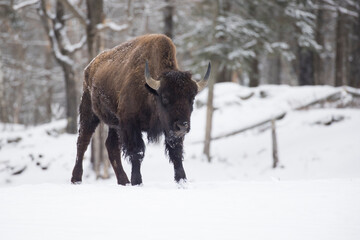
[{"x": 119, "y": 90}]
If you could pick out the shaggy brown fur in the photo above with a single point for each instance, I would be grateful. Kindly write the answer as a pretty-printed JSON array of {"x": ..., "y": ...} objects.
[{"x": 116, "y": 93}]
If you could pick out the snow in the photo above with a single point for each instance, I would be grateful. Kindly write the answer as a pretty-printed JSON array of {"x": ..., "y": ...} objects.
[
  {"x": 228, "y": 99},
  {"x": 232, "y": 210},
  {"x": 313, "y": 194},
  {"x": 24, "y": 4},
  {"x": 58, "y": 54},
  {"x": 113, "y": 26},
  {"x": 71, "y": 48}
]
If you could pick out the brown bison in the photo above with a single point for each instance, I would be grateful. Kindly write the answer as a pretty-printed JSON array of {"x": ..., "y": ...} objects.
[{"x": 133, "y": 88}]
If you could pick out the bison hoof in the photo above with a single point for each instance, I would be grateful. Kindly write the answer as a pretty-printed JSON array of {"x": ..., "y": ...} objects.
[
  {"x": 180, "y": 175},
  {"x": 136, "y": 179},
  {"x": 182, "y": 184},
  {"x": 75, "y": 181},
  {"x": 123, "y": 180},
  {"x": 76, "y": 175}
]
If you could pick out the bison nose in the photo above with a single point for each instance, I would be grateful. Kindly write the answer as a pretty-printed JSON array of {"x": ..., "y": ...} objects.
[{"x": 181, "y": 126}]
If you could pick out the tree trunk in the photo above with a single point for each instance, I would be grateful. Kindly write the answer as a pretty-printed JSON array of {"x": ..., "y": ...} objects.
[
  {"x": 56, "y": 25},
  {"x": 340, "y": 72},
  {"x": 49, "y": 98},
  {"x": 95, "y": 16},
  {"x": 210, "y": 111},
  {"x": 225, "y": 75},
  {"x": 69, "y": 75},
  {"x": 306, "y": 66},
  {"x": 274, "y": 144},
  {"x": 71, "y": 99},
  {"x": 48, "y": 103},
  {"x": 255, "y": 74},
  {"x": 354, "y": 69},
  {"x": 211, "y": 82},
  {"x": 168, "y": 19},
  {"x": 19, "y": 101},
  {"x": 318, "y": 62},
  {"x": 274, "y": 69},
  {"x": 99, "y": 157},
  {"x": 278, "y": 68},
  {"x": 3, "y": 113},
  {"x": 254, "y": 62}
]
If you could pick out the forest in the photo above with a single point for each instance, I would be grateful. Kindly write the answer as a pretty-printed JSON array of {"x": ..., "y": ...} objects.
[{"x": 45, "y": 45}]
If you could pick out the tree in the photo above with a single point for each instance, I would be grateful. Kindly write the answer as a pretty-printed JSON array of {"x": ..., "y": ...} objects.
[
  {"x": 26, "y": 98},
  {"x": 347, "y": 15},
  {"x": 94, "y": 23},
  {"x": 63, "y": 51},
  {"x": 224, "y": 32},
  {"x": 300, "y": 15},
  {"x": 168, "y": 18},
  {"x": 341, "y": 41},
  {"x": 95, "y": 17},
  {"x": 320, "y": 39},
  {"x": 335, "y": 32},
  {"x": 354, "y": 49}
]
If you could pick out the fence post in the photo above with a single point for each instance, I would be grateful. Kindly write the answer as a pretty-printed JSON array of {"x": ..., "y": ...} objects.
[{"x": 274, "y": 144}]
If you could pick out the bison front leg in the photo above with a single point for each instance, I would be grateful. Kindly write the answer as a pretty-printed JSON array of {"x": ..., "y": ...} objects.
[
  {"x": 136, "y": 160},
  {"x": 175, "y": 151},
  {"x": 134, "y": 148}
]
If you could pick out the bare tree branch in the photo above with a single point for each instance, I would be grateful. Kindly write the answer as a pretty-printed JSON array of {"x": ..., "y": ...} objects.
[
  {"x": 44, "y": 15},
  {"x": 24, "y": 4},
  {"x": 76, "y": 11},
  {"x": 113, "y": 26},
  {"x": 71, "y": 48}
]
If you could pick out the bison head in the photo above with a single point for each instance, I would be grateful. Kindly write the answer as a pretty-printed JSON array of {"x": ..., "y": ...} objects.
[{"x": 175, "y": 93}]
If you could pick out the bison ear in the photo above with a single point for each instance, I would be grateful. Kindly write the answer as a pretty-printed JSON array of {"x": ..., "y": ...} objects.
[
  {"x": 202, "y": 84},
  {"x": 152, "y": 83}
]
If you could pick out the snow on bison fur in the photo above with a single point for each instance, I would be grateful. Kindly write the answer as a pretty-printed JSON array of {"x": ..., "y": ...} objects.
[{"x": 133, "y": 88}]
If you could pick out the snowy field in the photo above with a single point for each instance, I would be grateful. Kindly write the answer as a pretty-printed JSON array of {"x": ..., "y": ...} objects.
[{"x": 313, "y": 194}]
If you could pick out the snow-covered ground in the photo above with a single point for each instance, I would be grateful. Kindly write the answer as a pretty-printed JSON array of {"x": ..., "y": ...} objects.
[
  {"x": 313, "y": 194},
  {"x": 317, "y": 209}
]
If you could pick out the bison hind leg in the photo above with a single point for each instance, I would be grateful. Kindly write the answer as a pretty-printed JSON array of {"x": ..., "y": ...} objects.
[
  {"x": 113, "y": 148},
  {"x": 88, "y": 123}
]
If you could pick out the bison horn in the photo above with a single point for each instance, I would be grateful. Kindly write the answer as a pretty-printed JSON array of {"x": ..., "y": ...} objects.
[
  {"x": 149, "y": 80},
  {"x": 202, "y": 84}
]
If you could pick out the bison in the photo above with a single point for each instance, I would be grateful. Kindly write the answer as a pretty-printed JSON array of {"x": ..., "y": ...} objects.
[{"x": 133, "y": 88}]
